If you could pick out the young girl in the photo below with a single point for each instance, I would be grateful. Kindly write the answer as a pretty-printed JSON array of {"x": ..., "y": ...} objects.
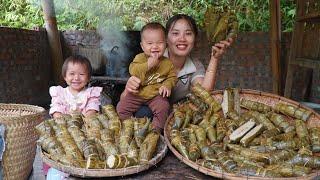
[{"x": 76, "y": 98}]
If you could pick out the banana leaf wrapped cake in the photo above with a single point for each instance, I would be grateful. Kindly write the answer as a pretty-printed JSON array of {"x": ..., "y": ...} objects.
[
  {"x": 220, "y": 24},
  {"x": 100, "y": 142},
  {"x": 245, "y": 134}
]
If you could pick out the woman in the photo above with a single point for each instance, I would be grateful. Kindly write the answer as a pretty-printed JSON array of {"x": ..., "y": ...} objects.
[{"x": 181, "y": 33}]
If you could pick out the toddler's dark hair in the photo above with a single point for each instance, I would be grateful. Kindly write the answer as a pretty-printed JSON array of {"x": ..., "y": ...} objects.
[
  {"x": 153, "y": 26},
  {"x": 76, "y": 59}
]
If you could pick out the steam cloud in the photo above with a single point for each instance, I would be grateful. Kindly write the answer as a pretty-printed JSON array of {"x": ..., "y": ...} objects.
[{"x": 113, "y": 42}]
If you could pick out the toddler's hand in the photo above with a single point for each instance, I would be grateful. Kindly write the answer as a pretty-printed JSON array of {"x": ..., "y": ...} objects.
[
  {"x": 153, "y": 60},
  {"x": 133, "y": 85},
  {"x": 164, "y": 91}
]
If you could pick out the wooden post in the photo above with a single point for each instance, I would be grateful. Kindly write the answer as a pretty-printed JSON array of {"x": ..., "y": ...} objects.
[
  {"x": 275, "y": 40},
  {"x": 53, "y": 38},
  {"x": 295, "y": 47}
]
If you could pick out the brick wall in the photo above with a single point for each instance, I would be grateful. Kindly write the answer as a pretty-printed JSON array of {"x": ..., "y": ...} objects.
[
  {"x": 24, "y": 66},
  {"x": 25, "y": 71},
  {"x": 315, "y": 89},
  {"x": 246, "y": 65},
  {"x": 116, "y": 60}
]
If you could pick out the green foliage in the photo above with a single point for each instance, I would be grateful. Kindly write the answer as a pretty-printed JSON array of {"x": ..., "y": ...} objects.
[
  {"x": 20, "y": 14},
  {"x": 288, "y": 13},
  {"x": 253, "y": 15}
]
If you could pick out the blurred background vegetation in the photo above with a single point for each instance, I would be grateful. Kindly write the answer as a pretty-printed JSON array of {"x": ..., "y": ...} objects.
[{"x": 253, "y": 15}]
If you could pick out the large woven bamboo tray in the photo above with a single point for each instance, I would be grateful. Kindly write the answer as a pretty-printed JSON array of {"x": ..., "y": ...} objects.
[
  {"x": 263, "y": 97},
  {"x": 82, "y": 172}
]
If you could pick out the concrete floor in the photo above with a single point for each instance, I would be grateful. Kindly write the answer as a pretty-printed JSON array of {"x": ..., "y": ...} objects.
[{"x": 37, "y": 172}]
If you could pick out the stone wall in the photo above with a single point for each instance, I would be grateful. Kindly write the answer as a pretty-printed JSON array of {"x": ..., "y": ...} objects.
[{"x": 24, "y": 66}]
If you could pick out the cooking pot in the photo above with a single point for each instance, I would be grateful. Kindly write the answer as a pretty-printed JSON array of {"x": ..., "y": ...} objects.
[{"x": 121, "y": 55}]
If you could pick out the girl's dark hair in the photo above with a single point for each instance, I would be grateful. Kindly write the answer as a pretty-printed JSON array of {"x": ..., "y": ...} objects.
[
  {"x": 153, "y": 26},
  {"x": 76, "y": 59},
  {"x": 171, "y": 22}
]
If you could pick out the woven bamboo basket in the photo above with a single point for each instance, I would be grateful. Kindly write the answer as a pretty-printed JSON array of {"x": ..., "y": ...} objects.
[
  {"x": 87, "y": 173},
  {"x": 263, "y": 97},
  {"x": 20, "y": 138}
]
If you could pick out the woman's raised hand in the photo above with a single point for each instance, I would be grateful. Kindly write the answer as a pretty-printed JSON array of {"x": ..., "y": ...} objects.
[
  {"x": 133, "y": 84},
  {"x": 219, "y": 48}
]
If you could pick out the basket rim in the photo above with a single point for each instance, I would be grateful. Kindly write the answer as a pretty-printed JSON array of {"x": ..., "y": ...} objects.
[
  {"x": 37, "y": 110},
  {"x": 82, "y": 172},
  {"x": 267, "y": 94},
  {"x": 226, "y": 175}
]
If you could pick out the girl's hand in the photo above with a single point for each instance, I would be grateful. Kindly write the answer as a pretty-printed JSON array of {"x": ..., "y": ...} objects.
[
  {"x": 90, "y": 113},
  {"x": 133, "y": 84},
  {"x": 219, "y": 48},
  {"x": 164, "y": 91},
  {"x": 56, "y": 114}
]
